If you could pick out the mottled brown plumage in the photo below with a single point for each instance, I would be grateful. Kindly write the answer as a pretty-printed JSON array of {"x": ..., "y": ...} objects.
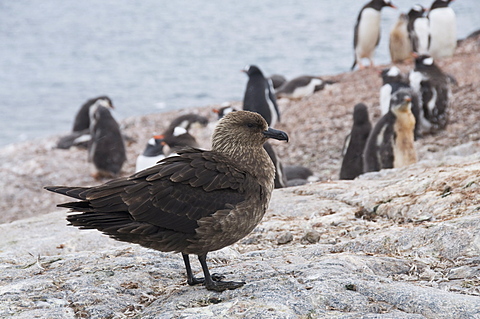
[{"x": 194, "y": 203}]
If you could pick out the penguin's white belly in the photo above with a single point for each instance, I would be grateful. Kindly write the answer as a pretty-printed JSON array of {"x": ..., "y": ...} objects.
[
  {"x": 368, "y": 33},
  {"x": 443, "y": 32},
  {"x": 421, "y": 30},
  {"x": 271, "y": 106},
  {"x": 385, "y": 95}
]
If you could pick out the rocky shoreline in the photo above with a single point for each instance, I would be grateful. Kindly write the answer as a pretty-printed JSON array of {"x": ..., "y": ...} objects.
[{"x": 399, "y": 243}]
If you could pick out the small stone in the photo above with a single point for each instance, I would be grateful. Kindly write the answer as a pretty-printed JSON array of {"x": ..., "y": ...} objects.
[
  {"x": 284, "y": 238},
  {"x": 311, "y": 237}
]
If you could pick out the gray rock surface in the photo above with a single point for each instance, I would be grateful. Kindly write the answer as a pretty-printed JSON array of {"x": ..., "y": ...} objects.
[{"x": 412, "y": 252}]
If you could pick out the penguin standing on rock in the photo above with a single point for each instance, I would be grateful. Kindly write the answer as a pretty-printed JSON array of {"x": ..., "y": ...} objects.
[
  {"x": 399, "y": 45},
  {"x": 106, "y": 149},
  {"x": 352, "y": 163},
  {"x": 367, "y": 31},
  {"x": 260, "y": 96},
  {"x": 433, "y": 88},
  {"x": 443, "y": 29},
  {"x": 391, "y": 142},
  {"x": 418, "y": 29}
]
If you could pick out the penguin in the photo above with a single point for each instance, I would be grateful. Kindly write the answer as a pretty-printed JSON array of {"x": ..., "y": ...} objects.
[
  {"x": 418, "y": 29},
  {"x": 352, "y": 163},
  {"x": 433, "y": 88},
  {"x": 80, "y": 134},
  {"x": 399, "y": 44},
  {"x": 393, "y": 80},
  {"x": 301, "y": 86},
  {"x": 277, "y": 80},
  {"x": 106, "y": 149},
  {"x": 260, "y": 96},
  {"x": 152, "y": 154},
  {"x": 391, "y": 142},
  {"x": 443, "y": 30},
  {"x": 367, "y": 31}
]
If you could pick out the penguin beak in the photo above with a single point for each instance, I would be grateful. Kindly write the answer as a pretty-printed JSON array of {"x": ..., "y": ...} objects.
[
  {"x": 392, "y": 6},
  {"x": 216, "y": 111},
  {"x": 407, "y": 99},
  {"x": 414, "y": 54},
  {"x": 276, "y": 134}
]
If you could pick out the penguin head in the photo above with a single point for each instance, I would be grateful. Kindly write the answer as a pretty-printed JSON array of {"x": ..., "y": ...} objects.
[
  {"x": 401, "y": 101},
  {"x": 156, "y": 140},
  {"x": 106, "y": 102},
  {"x": 417, "y": 11},
  {"x": 440, "y": 4},
  {"x": 379, "y": 4},
  {"x": 155, "y": 146},
  {"x": 360, "y": 114},
  {"x": 97, "y": 111},
  {"x": 179, "y": 130},
  {"x": 423, "y": 61},
  {"x": 390, "y": 75},
  {"x": 388, "y": 3},
  {"x": 252, "y": 70}
]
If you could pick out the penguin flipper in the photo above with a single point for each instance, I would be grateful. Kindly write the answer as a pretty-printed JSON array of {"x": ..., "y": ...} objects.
[{"x": 355, "y": 41}]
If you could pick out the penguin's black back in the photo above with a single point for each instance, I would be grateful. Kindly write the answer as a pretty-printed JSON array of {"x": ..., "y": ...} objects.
[{"x": 106, "y": 148}]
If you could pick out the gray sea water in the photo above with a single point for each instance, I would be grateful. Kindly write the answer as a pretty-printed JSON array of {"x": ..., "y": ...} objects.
[{"x": 151, "y": 55}]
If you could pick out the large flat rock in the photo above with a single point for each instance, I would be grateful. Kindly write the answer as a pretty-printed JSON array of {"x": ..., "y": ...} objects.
[{"x": 412, "y": 252}]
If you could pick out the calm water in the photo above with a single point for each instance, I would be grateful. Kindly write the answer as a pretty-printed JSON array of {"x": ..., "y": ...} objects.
[{"x": 151, "y": 55}]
